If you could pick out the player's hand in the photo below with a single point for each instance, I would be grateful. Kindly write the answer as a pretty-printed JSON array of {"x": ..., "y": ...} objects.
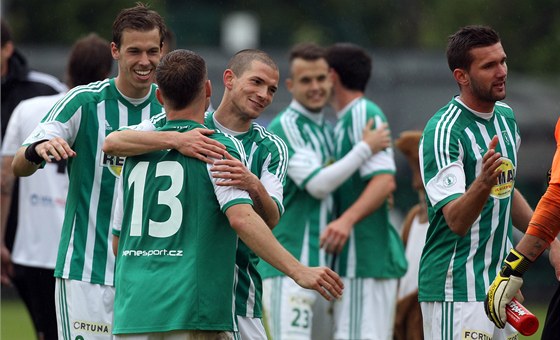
[
  {"x": 6, "y": 267},
  {"x": 233, "y": 173},
  {"x": 491, "y": 162},
  {"x": 197, "y": 144},
  {"x": 377, "y": 139},
  {"x": 505, "y": 287},
  {"x": 56, "y": 148},
  {"x": 336, "y": 234},
  {"x": 322, "y": 279}
]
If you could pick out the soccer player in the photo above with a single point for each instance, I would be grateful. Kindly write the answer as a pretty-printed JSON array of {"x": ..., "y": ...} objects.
[
  {"x": 292, "y": 312},
  {"x": 468, "y": 157},
  {"x": 369, "y": 251},
  {"x": 251, "y": 80},
  {"x": 74, "y": 129},
  {"x": 32, "y": 261},
  {"x": 541, "y": 233},
  {"x": 182, "y": 246}
]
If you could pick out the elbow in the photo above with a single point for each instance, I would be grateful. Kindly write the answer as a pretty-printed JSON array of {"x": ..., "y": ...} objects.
[
  {"x": 109, "y": 146},
  {"x": 317, "y": 193}
]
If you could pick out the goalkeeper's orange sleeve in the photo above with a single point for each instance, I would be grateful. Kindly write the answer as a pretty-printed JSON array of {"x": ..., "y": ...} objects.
[
  {"x": 545, "y": 223},
  {"x": 555, "y": 169}
]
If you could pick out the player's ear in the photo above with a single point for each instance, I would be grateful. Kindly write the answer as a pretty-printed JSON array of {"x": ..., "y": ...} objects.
[
  {"x": 229, "y": 77},
  {"x": 461, "y": 76},
  {"x": 208, "y": 88},
  {"x": 159, "y": 96}
]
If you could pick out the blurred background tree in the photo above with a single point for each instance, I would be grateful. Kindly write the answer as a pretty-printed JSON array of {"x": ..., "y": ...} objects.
[{"x": 529, "y": 29}]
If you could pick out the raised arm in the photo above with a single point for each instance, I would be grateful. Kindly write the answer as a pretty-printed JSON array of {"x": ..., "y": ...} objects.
[{"x": 459, "y": 219}]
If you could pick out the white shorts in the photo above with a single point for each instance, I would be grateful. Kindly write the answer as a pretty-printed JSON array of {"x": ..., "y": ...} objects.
[
  {"x": 366, "y": 309},
  {"x": 250, "y": 328},
  {"x": 179, "y": 335},
  {"x": 292, "y": 312},
  {"x": 461, "y": 320},
  {"x": 84, "y": 310}
]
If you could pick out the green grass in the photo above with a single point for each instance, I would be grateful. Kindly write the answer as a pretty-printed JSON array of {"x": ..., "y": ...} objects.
[{"x": 16, "y": 325}]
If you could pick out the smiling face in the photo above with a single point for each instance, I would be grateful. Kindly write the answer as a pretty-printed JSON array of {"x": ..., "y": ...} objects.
[
  {"x": 253, "y": 90},
  {"x": 310, "y": 84},
  {"x": 485, "y": 81},
  {"x": 138, "y": 57}
]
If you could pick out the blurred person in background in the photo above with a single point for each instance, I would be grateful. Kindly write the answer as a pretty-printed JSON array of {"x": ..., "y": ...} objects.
[
  {"x": 292, "y": 312},
  {"x": 19, "y": 82},
  {"x": 408, "y": 318},
  {"x": 368, "y": 251},
  {"x": 30, "y": 266}
]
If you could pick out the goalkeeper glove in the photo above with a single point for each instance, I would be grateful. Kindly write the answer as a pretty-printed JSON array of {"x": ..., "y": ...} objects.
[{"x": 505, "y": 287}]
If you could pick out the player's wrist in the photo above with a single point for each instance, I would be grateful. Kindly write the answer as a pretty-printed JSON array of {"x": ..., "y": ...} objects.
[
  {"x": 515, "y": 264},
  {"x": 31, "y": 154}
]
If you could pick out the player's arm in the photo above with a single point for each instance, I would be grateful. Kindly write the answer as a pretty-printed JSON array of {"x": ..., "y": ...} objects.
[
  {"x": 374, "y": 195},
  {"x": 236, "y": 174},
  {"x": 521, "y": 211},
  {"x": 257, "y": 236},
  {"x": 458, "y": 218},
  {"x": 329, "y": 178},
  {"x": 29, "y": 158},
  {"x": 6, "y": 189},
  {"x": 194, "y": 143}
]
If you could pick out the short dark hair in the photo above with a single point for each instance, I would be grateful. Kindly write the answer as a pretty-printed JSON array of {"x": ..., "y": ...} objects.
[
  {"x": 6, "y": 34},
  {"x": 90, "y": 60},
  {"x": 461, "y": 43},
  {"x": 241, "y": 61},
  {"x": 181, "y": 75},
  {"x": 352, "y": 63},
  {"x": 138, "y": 18},
  {"x": 307, "y": 51}
]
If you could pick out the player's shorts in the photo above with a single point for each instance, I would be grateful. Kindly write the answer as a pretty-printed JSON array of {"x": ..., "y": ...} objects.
[
  {"x": 84, "y": 310},
  {"x": 290, "y": 310},
  {"x": 461, "y": 320},
  {"x": 366, "y": 309},
  {"x": 179, "y": 335},
  {"x": 251, "y": 328}
]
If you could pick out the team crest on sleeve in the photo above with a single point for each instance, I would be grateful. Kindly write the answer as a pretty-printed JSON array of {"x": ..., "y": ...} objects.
[
  {"x": 504, "y": 185},
  {"x": 449, "y": 181}
]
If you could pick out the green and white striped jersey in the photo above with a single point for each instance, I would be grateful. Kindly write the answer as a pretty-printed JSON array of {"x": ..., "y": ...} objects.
[
  {"x": 310, "y": 147},
  {"x": 267, "y": 158},
  {"x": 455, "y": 268},
  {"x": 176, "y": 259},
  {"x": 374, "y": 248},
  {"x": 83, "y": 117}
]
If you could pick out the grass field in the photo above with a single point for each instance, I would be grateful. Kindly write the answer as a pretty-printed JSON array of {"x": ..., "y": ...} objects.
[{"x": 16, "y": 325}]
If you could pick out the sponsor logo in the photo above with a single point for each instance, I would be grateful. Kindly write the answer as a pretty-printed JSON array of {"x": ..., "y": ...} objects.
[
  {"x": 108, "y": 127},
  {"x": 476, "y": 335},
  {"x": 152, "y": 252},
  {"x": 113, "y": 163},
  {"x": 92, "y": 327},
  {"x": 504, "y": 183},
  {"x": 46, "y": 201}
]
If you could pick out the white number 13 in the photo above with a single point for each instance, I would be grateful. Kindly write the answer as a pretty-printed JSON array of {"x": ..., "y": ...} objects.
[{"x": 168, "y": 197}]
